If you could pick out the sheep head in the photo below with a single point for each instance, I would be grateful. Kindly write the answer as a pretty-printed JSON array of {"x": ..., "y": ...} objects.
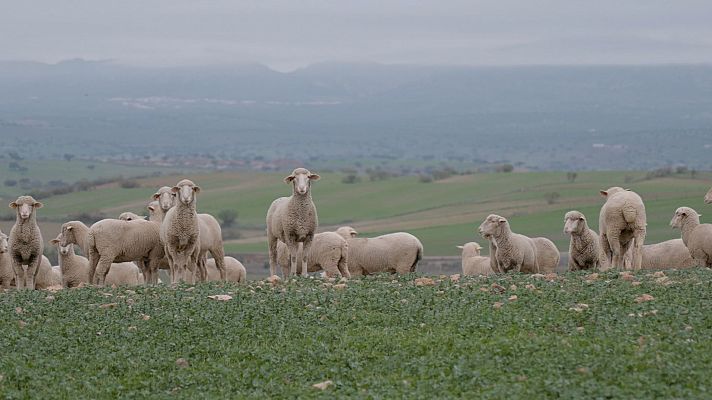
[
  {"x": 67, "y": 236},
  {"x": 574, "y": 222},
  {"x": 165, "y": 197},
  {"x": 129, "y": 216},
  {"x": 347, "y": 232},
  {"x": 683, "y": 215},
  {"x": 708, "y": 197},
  {"x": 470, "y": 249},
  {"x": 186, "y": 191},
  {"x": 492, "y": 226},
  {"x": 63, "y": 250},
  {"x": 25, "y": 206},
  {"x": 301, "y": 180},
  {"x": 3, "y": 243}
]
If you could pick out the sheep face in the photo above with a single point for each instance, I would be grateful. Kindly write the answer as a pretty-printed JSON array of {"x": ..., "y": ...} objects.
[
  {"x": 301, "y": 180},
  {"x": 574, "y": 222},
  {"x": 492, "y": 226},
  {"x": 67, "y": 235},
  {"x": 470, "y": 249},
  {"x": 3, "y": 243},
  {"x": 165, "y": 197},
  {"x": 708, "y": 197},
  {"x": 25, "y": 206},
  {"x": 682, "y": 215},
  {"x": 186, "y": 191},
  {"x": 63, "y": 250}
]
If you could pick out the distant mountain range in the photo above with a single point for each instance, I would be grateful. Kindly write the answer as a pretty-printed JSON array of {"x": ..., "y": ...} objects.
[{"x": 538, "y": 117}]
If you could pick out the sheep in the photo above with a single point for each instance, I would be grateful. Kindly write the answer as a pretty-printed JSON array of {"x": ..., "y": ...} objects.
[
  {"x": 235, "y": 271},
  {"x": 670, "y": 254},
  {"x": 155, "y": 212},
  {"x": 114, "y": 241},
  {"x": 165, "y": 198},
  {"x": 708, "y": 197},
  {"x": 511, "y": 251},
  {"x": 585, "y": 247},
  {"x": 293, "y": 220},
  {"x": 329, "y": 252},
  {"x": 180, "y": 234},
  {"x": 697, "y": 237},
  {"x": 25, "y": 242},
  {"x": 75, "y": 268},
  {"x": 547, "y": 255},
  {"x": 397, "y": 252},
  {"x": 472, "y": 262},
  {"x": 47, "y": 275},
  {"x": 7, "y": 274},
  {"x": 622, "y": 223},
  {"x": 129, "y": 216}
]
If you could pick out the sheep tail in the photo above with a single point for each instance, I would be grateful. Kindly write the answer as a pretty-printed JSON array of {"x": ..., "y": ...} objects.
[
  {"x": 629, "y": 214},
  {"x": 418, "y": 257}
]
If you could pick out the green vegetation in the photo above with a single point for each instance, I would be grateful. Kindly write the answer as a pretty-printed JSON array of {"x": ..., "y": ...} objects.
[{"x": 379, "y": 337}]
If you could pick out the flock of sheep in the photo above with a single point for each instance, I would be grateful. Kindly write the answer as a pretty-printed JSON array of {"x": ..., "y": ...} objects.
[{"x": 131, "y": 249}]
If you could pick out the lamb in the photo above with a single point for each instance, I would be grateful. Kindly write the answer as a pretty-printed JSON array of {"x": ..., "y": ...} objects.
[
  {"x": 547, "y": 255},
  {"x": 585, "y": 247},
  {"x": 114, "y": 241},
  {"x": 25, "y": 242},
  {"x": 293, "y": 220},
  {"x": 235, "y": 271},
  {"x": 472, "y": 262},
  {"x": 397, "y": 253},
  {"x": 329, "y": 252},
  {"x": 75, "y": 268},
  {"x": 697, "y": 237},
  {"x": 622, "y": 223},
  {"x": 708, "y": 197},
  {"x": 180, "y": 234},
  {"x": 511, "y": 251}
]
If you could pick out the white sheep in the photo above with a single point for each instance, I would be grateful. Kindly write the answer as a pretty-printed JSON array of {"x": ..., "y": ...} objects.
[
  {"x": 670, "y": 254},
  {"x": 47, "y": 275},
  {"x": 25, "y": 242},
  {"x": 329, "y": 252},
  {"x": 696, "y": 236},
  {"x": 585, "y": 246},
  {"x": 112, "y": 241},
  {"x": 708, "y": 197},
  {"x": 293, "y": 220},
  {"x": 7, "y": 274},
  {"x": 165, "y": 198},
  {"x": 397, "y": 252},
  {"x": 180, "y": 234},
  {"x": 547, "y": 255},
  {"x": 510, "y": 251},
  {"x": 472, "y": 262},
  {"x": 622, "y": 223},
  {"x": 129, "y": 216},
  {"x": 235, "y": 271}
]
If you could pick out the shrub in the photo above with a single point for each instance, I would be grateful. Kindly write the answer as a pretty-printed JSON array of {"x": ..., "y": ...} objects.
[
  {"x": 227, "y": 217},
  {"x": 351, "y": 178}
]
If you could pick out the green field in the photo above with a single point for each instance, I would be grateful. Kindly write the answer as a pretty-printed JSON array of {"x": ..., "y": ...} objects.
[
  {"x": 442, "y": 214},
  {"x": 568, "y": 338}
]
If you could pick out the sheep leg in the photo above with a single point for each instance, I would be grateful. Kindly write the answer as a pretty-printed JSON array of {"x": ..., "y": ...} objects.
[
  {"x": 219, "y": 256},
  {"x": 273, "y": 255},
  {"x": 93, "y": 262},
  {"x": 102, "y": 270},
  {"x": 605, "y": 248},
  {"x": 293, "y": 250},
  {"x": 343, "y": 266},
  {"x": 152, "y": 271},
  {"x": 493, "y": 258},
  {"x": 639, "y": 239},
  {"x": 306, "y": 246},
  {"x": 615, "y": 248},
  {"x": 625, "y": 250},
  {"x": 33, "y": 268},
  {"x": 19, "y": 273}
]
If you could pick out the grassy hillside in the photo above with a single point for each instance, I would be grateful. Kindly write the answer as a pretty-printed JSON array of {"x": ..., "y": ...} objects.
[
  {"x": 442, "y": 213},
  {"x": 569, "y": 338}
]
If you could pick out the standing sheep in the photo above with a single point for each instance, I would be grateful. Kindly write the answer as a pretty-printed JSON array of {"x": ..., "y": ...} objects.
[
  {"x": 293, "y": 220},
  {"x": 397, "y": 252},
  {"x": 512, "y": 251},
  {"x": 585, "y": 247},
  {"x": 180, "y": 234},
  {"x": 329, "y": 252},
  {"x": 235, "y": 271},
  {"x": 697, "y": 237},
  {"x": 472, "y": 262},
  {"x": 165, "y": 198},
  {"x": 7, "y": 274},
  {"x": 622, "y": 222},
  {"x": 25, "y": 242}
]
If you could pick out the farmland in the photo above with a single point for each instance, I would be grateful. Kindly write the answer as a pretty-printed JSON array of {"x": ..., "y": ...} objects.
[{"x": 515, "y": 336}]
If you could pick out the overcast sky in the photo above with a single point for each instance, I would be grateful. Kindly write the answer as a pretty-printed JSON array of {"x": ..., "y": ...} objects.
[{"x": 290, "y": 33}]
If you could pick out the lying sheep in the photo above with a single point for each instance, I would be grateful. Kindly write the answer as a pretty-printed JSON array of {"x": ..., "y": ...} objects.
[
  {"x": 7, "y": 274},
  {"x": 235, "y": 271},
  {"x": 180, "y": 234},
  {"x": 293, "y": 220},
  {"x": 547, "y": 255},
  {"x": 129, "y": 216},
  {"x": 708, "y": 197},
  {"x": 25, "y": 242},
  {"x": 622, "y": 223},
  {"x": 397, "y": 253},
  {"x": 511, "y": 251},
  {"x": 670, "y": 254},
  {"x": 75, "y": 268},
  {"x": 585, "y": 246},
  {"x": 47, "y": 275},
  {"x": 472, "y": 262},
  {"x": 697, "y": 237},
  {"x": 329, "y": 252}
]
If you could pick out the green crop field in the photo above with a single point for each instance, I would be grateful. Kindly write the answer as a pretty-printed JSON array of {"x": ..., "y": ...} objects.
[
  {"x": 442, "y": 214},
  {"x": 514, "y": 336}
]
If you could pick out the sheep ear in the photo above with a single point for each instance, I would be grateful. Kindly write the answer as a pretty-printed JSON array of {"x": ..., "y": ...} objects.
[
  {"x": 502, "y": 220},
  {"x": 460, "y": 247},
  {"x": 582, "y": 219},
  {"x": 156, "y": 196},
  {"x": 314, "y": 177},
  {"x": 54, "y": 241},
  {"x": 151, "y": 208},
  {"x": 38, "y": 204},
  {"x": 69, "y": 228},
  {"x": 13, "y": 205},
  {"x": 604, "y": 193},
  {"x": 196, "y": 189},
  {"x": 289, "y": 179},
  {"x": 353, "y": 233},
  {"x": 175, "y": 189}
]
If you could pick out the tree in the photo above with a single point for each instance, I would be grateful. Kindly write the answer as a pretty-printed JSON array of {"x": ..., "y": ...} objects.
[
  {"x": 571, "y": 176},
  {"x": 350, "y": 178},
  {"x": 551, "y": 197},
  {"x": 227, "y": 217},
  {"x": 68, "y": 156}
]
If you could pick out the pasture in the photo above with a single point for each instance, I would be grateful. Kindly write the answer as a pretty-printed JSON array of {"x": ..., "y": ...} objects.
[{"x": 516, "y": 336}]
